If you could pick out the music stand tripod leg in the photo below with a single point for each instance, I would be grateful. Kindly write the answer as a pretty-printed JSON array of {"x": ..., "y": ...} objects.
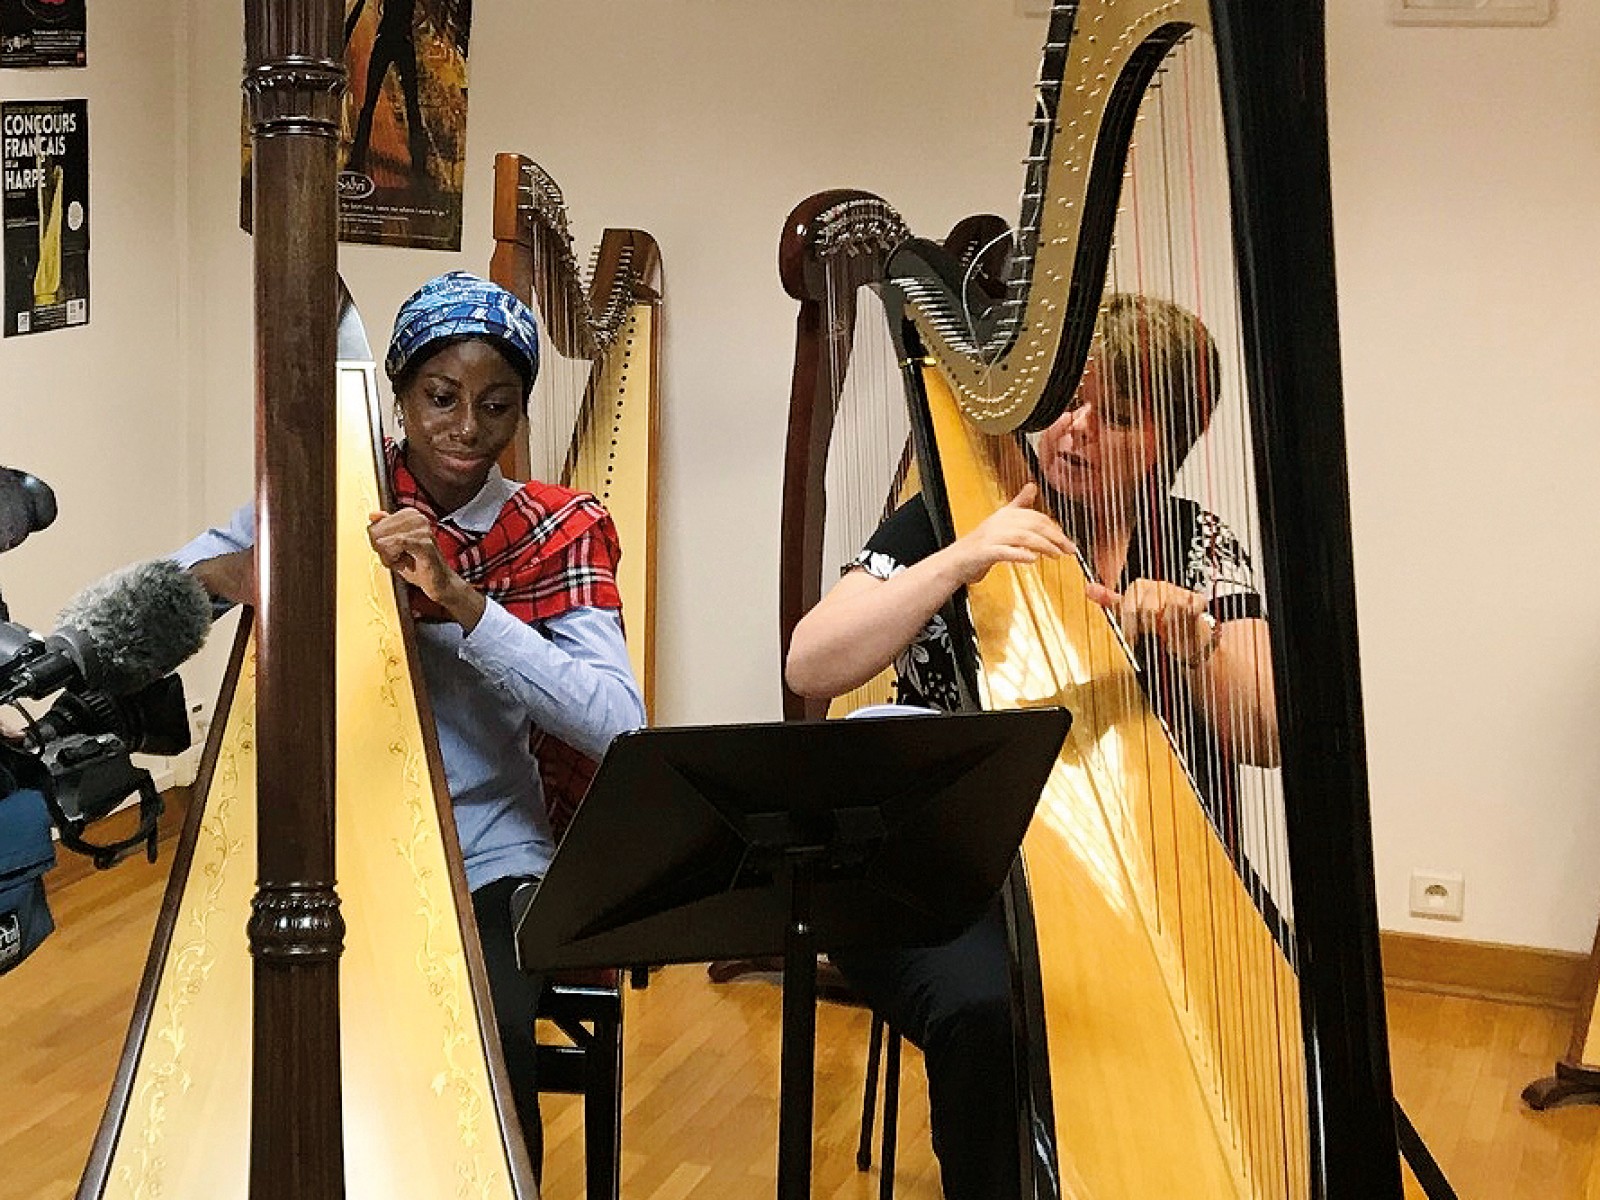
[{"x": 798, "y": 1051}]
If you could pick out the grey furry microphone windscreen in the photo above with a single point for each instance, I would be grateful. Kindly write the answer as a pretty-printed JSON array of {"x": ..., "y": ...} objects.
[{"x": 139, "y": 623}]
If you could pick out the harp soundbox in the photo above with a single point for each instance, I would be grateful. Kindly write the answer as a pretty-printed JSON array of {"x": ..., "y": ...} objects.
[
  {"x": 426, "y": 1110},
  {"x": 1207, "y": 1005}
]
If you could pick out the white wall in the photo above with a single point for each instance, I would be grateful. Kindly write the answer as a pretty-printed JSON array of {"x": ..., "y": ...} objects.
[
  {"x": 703, "y": 122},
  {"x": 1467, "y": 167},
  {"x": 1467, "y": 201},
  {"x": 98, "y": 411}
]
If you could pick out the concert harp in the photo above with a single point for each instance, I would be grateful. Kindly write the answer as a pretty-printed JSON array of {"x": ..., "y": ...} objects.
[
  {"x": 426, "y": 1109},
  {"x": 1209, "y": 995},
  {"x": 290, "y": 1040}
]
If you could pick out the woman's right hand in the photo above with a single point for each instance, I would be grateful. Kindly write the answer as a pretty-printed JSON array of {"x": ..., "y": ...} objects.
[
  {"x": 1016, "y": 532},
  {"x": 230, "y": 577}
]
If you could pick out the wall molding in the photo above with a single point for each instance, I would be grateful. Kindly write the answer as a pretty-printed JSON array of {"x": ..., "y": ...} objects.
[{"x": 1484, "y": 970}]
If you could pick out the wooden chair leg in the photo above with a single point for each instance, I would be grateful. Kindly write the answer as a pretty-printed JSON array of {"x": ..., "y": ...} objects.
[{"x": 869, "y": 1095}]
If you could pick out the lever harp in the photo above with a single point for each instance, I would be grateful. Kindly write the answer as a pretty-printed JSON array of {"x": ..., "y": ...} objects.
[{"x": 592, "y": 417}]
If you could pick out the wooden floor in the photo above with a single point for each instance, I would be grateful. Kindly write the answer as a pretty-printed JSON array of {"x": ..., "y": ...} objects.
[{"x": 701, "y": 1090}]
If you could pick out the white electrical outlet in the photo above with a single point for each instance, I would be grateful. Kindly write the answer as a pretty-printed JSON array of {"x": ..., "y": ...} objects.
[{"x": 1437, "y": 894}]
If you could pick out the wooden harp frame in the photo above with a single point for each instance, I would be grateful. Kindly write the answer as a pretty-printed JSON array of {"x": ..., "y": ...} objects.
[
  {"x": 614, "y": 323},
  {"x": 1035, "y": 343}
]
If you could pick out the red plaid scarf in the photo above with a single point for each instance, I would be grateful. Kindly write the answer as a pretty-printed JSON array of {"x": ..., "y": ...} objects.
[{"x": 549, "y": 551}]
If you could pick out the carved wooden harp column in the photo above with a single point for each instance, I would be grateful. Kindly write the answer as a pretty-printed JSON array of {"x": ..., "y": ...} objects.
[
  {"x": 294, "y": 82},
  {"x": 593, "y": 416}
]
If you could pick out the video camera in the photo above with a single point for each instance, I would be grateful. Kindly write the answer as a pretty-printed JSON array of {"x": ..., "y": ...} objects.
[{"x": 111, "y": 659}]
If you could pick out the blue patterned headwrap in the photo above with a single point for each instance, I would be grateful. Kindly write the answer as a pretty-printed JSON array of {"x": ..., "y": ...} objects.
[{"x": 460, "y": 304}]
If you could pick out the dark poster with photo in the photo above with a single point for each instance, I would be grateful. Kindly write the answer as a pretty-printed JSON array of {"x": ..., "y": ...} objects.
[
  {"x": 45, "y": 162},
  {"x": 42, "y": 33},
  {"x": 403, "y": 133}
]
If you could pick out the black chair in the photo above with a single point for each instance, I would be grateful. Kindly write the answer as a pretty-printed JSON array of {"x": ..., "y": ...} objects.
[
  {"x": 586, "y": 1006},
  {"x": 889, "y": 1055}
]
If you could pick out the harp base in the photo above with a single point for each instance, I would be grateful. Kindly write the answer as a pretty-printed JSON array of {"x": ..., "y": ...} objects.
[{"x": 1571, "y": 1084}]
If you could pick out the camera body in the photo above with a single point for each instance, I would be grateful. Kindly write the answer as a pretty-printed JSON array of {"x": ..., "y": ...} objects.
[{"x": 71, "y": 766}]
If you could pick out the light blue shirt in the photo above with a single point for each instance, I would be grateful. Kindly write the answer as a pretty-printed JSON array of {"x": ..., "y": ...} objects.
[{"x": 489, "y": 689}]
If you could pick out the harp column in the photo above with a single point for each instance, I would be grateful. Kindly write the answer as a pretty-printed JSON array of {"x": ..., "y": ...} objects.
[{"x": 293, "y": 81}]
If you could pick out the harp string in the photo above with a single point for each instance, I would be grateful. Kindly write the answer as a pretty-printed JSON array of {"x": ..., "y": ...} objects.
[
  {"x": 556, "y": 410},
  {"x": 866, "y": 455}
]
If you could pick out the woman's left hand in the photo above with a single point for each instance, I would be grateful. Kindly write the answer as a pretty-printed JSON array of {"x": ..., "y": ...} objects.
[
  {"x": 1174, "y": 615},
  {"x": 404, "y": 543}
]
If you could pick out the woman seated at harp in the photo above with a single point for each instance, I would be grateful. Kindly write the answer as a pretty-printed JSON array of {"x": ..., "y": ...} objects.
[
  {"x": 514, "y": 587},
  {"x": 1178, "y": 583}
]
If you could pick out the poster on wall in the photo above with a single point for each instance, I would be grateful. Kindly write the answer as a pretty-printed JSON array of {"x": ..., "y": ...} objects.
[
  {"x": 42, "y": 33},
  {"x": 45, "y": 161},
  {"x": 403, "y": 131}
]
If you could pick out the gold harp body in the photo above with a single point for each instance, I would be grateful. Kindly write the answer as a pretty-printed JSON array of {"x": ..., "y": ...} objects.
[
  {"x": 1139, "y": 912},
  {"x": 425, "y": 1108},
  {"x": 1185, "y": 957},
  {"x": 592, "y": 419}
]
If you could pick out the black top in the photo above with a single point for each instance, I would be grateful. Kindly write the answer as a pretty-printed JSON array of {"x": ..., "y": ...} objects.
[{"x": 1197, "y": 551}]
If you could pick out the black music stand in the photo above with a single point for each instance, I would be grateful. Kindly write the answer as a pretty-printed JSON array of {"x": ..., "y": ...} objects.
[{"x": 711, "y": 842}]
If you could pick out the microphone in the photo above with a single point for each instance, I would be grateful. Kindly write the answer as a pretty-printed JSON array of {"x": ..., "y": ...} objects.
[
  {"x": 117, "y": 635},
  {"x": 27, "y": 505}
]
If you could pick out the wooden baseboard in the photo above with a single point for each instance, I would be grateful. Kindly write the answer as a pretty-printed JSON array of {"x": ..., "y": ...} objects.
[
  {"x": 1484, "y": 970},
  {"x": 71, "y": 866}
]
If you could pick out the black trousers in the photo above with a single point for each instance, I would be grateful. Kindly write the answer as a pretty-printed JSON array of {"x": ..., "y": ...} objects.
[
  {"x": 953, "y": 1002},
  {"x": 516, "y": 1005}
]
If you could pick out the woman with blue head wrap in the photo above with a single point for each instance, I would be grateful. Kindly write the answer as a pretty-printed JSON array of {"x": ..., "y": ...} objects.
[{"x": 520, "y": 627}]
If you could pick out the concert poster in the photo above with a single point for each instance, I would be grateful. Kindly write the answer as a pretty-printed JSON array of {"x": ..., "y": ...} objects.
[
  {"x": 44, "y": 158},
  {"x": 403, "y": 131},
  {"x": 43, "y": 33}
]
